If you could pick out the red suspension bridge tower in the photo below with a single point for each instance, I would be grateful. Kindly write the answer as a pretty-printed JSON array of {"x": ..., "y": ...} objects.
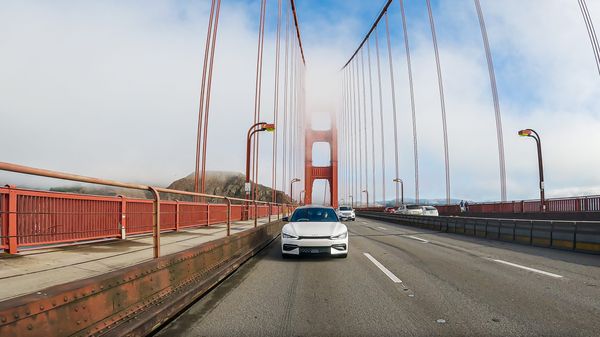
[{"x": 329, "y": 173}]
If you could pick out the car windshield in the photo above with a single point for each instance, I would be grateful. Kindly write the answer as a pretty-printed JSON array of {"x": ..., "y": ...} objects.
[
  {"x": 345, "y": 208},
  {"x": 413, "y": 207},
  {"x": 316, "y": 214},
  {"x": 430, "y": 208}
]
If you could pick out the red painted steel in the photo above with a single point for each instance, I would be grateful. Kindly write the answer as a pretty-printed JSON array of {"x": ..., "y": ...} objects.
[
  {"x": 556, "y": 205},
  {"x": 52, "y": 218},
  {"x": 329, "y": 173},
  {"x": 3, "y": 219}
]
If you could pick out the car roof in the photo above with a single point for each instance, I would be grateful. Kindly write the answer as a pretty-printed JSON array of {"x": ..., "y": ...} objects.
[{"x": 314, "y": 206}]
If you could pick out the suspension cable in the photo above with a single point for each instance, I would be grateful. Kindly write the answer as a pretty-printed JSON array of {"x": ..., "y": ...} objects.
[
  {"x": 591, "y": 32},
  {"x": 381, "y": 118},
  {"x": 364, "y": 90},
  {"x": 389, "y": 46},
  {"x": 208, "y": 94},
  {"x": 412, "y": 101},
  {"x": 285, "y": 99},
  {"x": 276, "y": 105},
  {"x": 257, "y": 95},
  {"x": 202, "y": 91},
  {"x": 372, "y": 120},
  {"x": 492, "y": 76}
]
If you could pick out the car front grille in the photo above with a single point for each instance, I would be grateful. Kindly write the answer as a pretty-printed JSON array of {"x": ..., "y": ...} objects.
[
  {"x": 315, "y": 250},
  {"x": 314, "y": 238}
]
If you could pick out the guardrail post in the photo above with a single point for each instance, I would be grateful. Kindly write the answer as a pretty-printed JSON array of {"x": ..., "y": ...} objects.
[
  {"x": 575, "y": 235},
  {"x": 177, "y": 215},
  {"x": 13, "y": 240},
  {"x": 269, "y": 211},
  {"x": 228, "y": 216},
  {"x": 123, "y": 221},
  {"x": 156, "y": 222},
  {"x": 278, "y": 212},
  {"x": 551, "y": 233},
  {"x": 207, "y": 214},
  {"x": 255, "y": 213}
]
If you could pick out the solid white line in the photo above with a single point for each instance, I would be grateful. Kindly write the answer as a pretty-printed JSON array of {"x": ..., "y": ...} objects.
[
  {"x": 385, "y": 229},
  {"x": 419, "y": 239},
  {"x": 527, "y": 268},
  {"x": 383, "y": 269}
]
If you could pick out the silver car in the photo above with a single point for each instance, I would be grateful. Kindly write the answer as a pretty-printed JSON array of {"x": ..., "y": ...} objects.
[{"x": 346, "y": 213}]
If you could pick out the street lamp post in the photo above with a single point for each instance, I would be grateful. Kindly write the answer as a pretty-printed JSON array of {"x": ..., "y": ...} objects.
[
  {"x": 398, "y": 180},
  {"x": 532, "y": 134},
  {"x": 258, "y": 127},
  {"x": 367, "y": 192},
  {"x": 295, "y": 180}
]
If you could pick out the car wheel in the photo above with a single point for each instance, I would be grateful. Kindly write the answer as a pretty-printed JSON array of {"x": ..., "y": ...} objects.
[{"x": 285, "y": 256}]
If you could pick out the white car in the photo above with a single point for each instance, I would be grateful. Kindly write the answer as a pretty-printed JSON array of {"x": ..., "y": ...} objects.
[
  {"x": 413, "y": 210},
  {"x": 314, "y": 230},
  {"x": 346, "y": 213},
  {"x": 400, "y": 210},
  {"x": 430, "y": 210}
]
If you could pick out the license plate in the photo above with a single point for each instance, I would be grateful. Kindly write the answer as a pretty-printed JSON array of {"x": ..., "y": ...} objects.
[{"x": 315, "y": 251}]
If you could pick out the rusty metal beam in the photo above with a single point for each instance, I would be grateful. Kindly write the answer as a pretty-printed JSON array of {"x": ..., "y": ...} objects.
[{"x": 135, "y": 300}]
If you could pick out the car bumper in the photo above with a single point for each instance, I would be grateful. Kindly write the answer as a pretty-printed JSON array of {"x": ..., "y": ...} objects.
[
  {"x": 314, "y": 246},
  {"x": 347, "y": 217}
]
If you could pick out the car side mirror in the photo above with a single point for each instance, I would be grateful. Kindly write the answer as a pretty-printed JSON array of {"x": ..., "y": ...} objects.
[{"x": 285, "y": 219}]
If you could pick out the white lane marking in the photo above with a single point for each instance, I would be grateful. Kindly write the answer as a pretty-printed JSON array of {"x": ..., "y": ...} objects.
[
  {"x": 527, "y": 268},
  {"x": 386, "y": 271},
  {"x": 418, "y": 239},
  {"x": 385, "y": 229}
]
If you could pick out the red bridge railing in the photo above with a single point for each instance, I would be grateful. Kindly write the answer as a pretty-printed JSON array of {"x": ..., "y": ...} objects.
[
  {"x": 33, "y": 219},
  {"x": 48, "y": 218},
  {"x": 555, "y": 205}
]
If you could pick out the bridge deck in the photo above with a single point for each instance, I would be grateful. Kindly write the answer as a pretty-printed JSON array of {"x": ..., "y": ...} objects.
[{"x": 34, "y": 270}]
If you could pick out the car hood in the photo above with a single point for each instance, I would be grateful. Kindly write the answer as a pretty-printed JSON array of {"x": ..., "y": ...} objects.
[{"x": 314, "y": 228}]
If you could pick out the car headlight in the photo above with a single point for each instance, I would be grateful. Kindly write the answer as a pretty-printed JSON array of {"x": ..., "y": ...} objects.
[
  {"x": 288, "y": 236},
  {"x": 340, "y": 236}
]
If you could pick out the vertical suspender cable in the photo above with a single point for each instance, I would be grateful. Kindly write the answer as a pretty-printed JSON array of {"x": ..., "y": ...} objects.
[
  {"x": 492, "y": 75},
  {"x": 292, "y": 114},
  {"x": 412, "y": 102},
  {"x": 208, "y": 94},
  {"x": 381, "y": 119},
  {"x": 202, "y": 91},
  {"x": 366, "y": 142},
  {"x": 389, "y": 46},
  {"x": 276, "y": 105},
  {"x": 257, "y": 93},
  {"x": 358, "y": 125},
  {"x": 284, "y": 183},
  {"x": 591, "y": 32},
  {"x": 353, "y": 128},
  {"x": 442, "y": 99},
  {"x": 349, "y": 132},
  {"x": 372, "y": 121},
  {"x": 344, "y": 148}
]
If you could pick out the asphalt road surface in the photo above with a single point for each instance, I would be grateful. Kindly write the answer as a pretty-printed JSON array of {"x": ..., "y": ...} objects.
[{"x": 403, "y": 281}]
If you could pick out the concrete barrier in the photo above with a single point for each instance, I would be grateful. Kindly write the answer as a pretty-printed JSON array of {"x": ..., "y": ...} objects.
[
  {"x": 133, "y": 301},
  {"x": 583, "y": 236}
]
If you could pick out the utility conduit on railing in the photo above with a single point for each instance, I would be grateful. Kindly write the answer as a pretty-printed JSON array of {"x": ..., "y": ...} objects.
[{"x": 39, "y": 218}]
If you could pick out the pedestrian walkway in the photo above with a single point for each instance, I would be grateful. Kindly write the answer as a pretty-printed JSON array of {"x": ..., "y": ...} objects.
[{"x": 32, "y": 271}]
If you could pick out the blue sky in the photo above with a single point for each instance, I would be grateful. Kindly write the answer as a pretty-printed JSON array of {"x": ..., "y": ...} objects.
[{"x": 112, "y": 70}]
